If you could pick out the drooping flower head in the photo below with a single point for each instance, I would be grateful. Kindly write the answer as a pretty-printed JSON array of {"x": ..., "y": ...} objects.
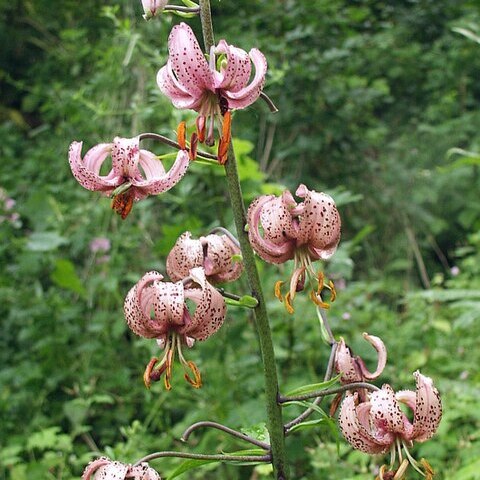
[
  {"x": 214, "y": 253},
  {"x": 157, "y": 309},
  {"x": 153, "y": 7},
  {"x": 305, "y": 231},
  {"x": 352, "y": 367},
  {"x": 135, "y": 173},
  {"x": 379, "y": 425},
  {"x": 105, "y": 469},
  {"x": 214, "y": 87}
]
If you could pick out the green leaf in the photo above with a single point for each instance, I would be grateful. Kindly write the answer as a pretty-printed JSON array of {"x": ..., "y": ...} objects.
[
  {"x": 313, "y": 387},
  {"x": 189, "y": 465},
  {"x": 45, "y": 241},
  {"x": 307, "y": 424},
  {"x": 65, "y": 276}
]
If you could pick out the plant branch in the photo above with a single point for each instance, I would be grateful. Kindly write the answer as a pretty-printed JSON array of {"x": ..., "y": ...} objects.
[
  {"x": 180, "y": 8},
  {"x": 269, "y": 102},
  {"x": 227, "y": 233},
  {"x": 174, "y": 144},
  {"x": 202, "y": 456},
  {"x": 274, "y": 411},
  {"x": 223, "y": 428},
  {"x": 328, "y": 391}
]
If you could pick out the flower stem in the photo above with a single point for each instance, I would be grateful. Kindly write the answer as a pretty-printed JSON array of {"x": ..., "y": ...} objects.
[
  {"x": 274, "y": 411},
  {"x": 202, "y": 456}
]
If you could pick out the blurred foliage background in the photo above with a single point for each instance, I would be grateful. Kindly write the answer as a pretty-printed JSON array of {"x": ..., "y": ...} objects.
[{"x": 373, "y": 97}]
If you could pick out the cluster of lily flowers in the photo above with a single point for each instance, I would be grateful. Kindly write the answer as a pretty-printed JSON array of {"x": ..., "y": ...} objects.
[
  {"x": 188, "y": 307},
  {"x": 374, "y": 422}
]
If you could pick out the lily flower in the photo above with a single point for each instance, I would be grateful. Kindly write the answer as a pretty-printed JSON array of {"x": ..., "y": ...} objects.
[
  {"x": 353, "y": 369},
  {"x": 379, "y": 425},
  {"x": 153, "y": 7},
  {"x": 105, "y": 469},
  {"x": 157, "y": 309},
  {"x": 305, "y": 232},
  {"x": 214, "y": 253},
  {"x": 214, "y": 87},
  {"x": 135, "y": 173}
]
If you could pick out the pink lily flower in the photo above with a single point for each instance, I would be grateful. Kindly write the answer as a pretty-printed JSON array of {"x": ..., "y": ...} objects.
[
  {"x": 105, "y": 469},
  {"x": 156, "y": 309},
  {"x": 305, "y": 231},
  {"x": 153, "y": 7},
  {"x": 213, "y": 87},
  {"x": 214, "y": 253},
  {"x": 353, "y": 369},
  {"x": 135, "y": 173},
  {"x": 379, "y": 424}
]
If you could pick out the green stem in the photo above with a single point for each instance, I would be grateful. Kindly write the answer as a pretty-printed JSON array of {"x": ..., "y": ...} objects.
[{"x": 274, "y": 411}]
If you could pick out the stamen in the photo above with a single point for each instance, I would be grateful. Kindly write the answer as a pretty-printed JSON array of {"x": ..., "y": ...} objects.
[
  {"x": 314, "y": 297},
  {"x": 414, "y": 463},
  {"x": 333, "y": 292},
  {"x": 429, "y": 473},
  {"x": 210, "y": 140},
  {"x": 192, "y": 153},
  {"x": 399, "y": 475},
  {"x": 200, "y": 123},
  {"x": 288, "y": 303},
  {"x": 123, "y": 203},
  {"x": 181, "y": 135},
  {"x": 169, "y": 365},
  {"x": 224, "y": 143},
  {"x": 320, "y": 280},
  {"x": 196, "y": 382},
  {"x": 278, "y": 290},
  {"x": 148, "y": 371},
  {"x": 297, "y": 280}
]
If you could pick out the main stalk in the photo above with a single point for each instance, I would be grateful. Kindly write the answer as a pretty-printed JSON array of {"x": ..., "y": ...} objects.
[{"x": 274, "y": 411}]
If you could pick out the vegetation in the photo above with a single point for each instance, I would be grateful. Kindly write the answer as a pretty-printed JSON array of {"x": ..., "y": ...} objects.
[{"x": 373, "y": 97}]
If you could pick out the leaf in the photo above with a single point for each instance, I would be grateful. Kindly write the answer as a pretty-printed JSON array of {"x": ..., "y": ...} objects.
[
  {"x": 45, "y": 241},
  {"x": 307, "y": 424},
  {"x": 66, "y": 277},
  {"x": 467, "y": 33},
  {"x": 189, "y": 465},
  {"x": 313, "y": 387}
]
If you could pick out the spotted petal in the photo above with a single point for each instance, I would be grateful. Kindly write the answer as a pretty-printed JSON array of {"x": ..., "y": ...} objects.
[
  {"x": 236, "y": 74},
  {"x": 244, "y": 97},
  {"x": 86, "y": 171},
  {"x": 218, "y": 263},
  {"x": 276, "y": 245},
  {"x": 162, "y": 183},
  {"x": 210, "y": 311},
  {"x": 357, "y": 432},
  {"x": 345, "y": 364},
  {"x": 105, "y": 469},
  {"x": 143, "y": 472},
  {"x": 188, "y": 61},
  {"x": 320, "y": 223},
  {"x": 428, "y": 409},
  {"x": 139, "y": 305},
  {"x": 187, "y": 253}
]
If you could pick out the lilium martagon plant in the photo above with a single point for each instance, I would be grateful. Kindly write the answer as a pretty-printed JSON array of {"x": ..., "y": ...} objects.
[
  {"x": 214, "y": 87},
  {"x": 134, "y": 174}
]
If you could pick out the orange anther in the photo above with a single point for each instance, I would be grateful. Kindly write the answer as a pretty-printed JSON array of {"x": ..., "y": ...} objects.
[
  {"x": 288, "y": 304},
  {"x": 197, "y": 382},
  {"x": 123, "y": 203},
  {"x": 278, "y": 290},
  {"x": 181, "y": 135}
]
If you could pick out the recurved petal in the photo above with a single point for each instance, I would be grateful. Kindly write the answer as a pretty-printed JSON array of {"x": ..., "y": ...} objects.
[
  {"x": 379, "y": 346},
  {"x": 151, "y": 165},
  {"x": 246, "y": 96},
  {"x": 138, "y": 306},
  {"x": 210, "y": 311},
  {"x": 386, "y": 412},
  {"x": 169, "y": 86},
  {"x": 125, "y": 157},
  {"x": 143, "y": 472},
  {"x": 188, "y": 62},
  {"x": 187, "y": 253},
  {"x": 156, "y": 185},
  {"x": 88, "y": 177},
  {"x": 218, "y": 263},
  {"x": 428, "y": 409},
  {"x": 320, "y": 224},
  {"x": 269, "y": 213},
  {"x": 345, "y": 364},
  {"x": 105, "y": 469},
  {"x": 236, "y": 74},
  {"x": 354, "y": 432},
  {"x": 168, "y": 304}
]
